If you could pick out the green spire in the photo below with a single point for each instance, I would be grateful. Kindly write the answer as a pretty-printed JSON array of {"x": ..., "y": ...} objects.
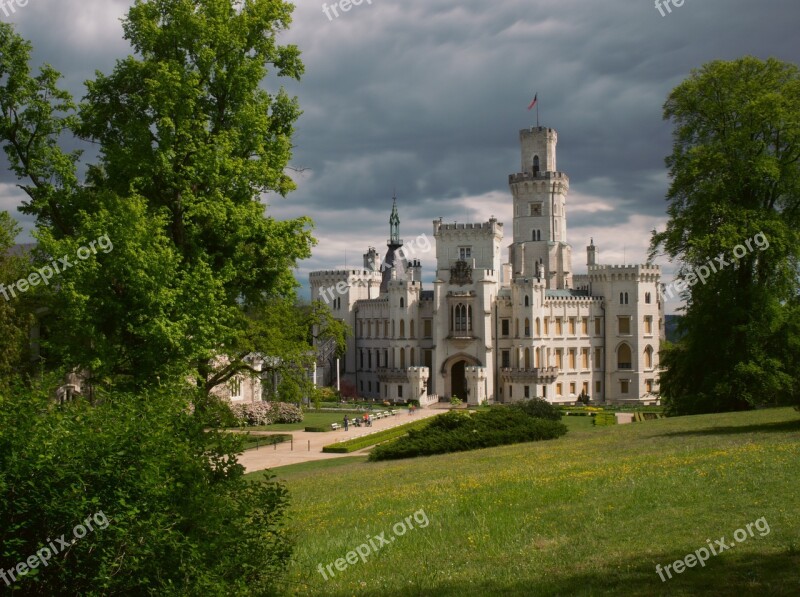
[{"x": 394, "y": 225}]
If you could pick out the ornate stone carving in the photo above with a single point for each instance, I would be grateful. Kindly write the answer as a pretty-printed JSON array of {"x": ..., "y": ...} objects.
[{"x": 461, "y": 273}]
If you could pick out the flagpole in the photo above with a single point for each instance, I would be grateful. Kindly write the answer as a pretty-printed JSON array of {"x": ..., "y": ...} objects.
[{"x": 537, "y": 113}]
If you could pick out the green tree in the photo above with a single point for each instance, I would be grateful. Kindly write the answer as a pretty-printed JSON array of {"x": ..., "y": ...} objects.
[
  {"x": 735, "y": 179},
  {"x": 188, "y": 143},
  {"x": 15, "y": 310},
  {"x": 171, "y": 509}
]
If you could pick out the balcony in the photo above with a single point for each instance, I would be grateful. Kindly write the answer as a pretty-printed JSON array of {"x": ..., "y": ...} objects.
[{"x": 532, "y": 375}]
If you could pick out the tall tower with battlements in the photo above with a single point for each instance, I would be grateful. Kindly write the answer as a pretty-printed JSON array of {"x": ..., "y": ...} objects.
[{"x": 540, "y": 247}]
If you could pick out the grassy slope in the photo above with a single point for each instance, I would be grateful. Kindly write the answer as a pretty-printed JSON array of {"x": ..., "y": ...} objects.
[{"x": 591, "y": 513}]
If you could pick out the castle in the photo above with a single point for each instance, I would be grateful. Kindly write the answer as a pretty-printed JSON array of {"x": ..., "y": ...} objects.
[{"x": 493, "y": 331}]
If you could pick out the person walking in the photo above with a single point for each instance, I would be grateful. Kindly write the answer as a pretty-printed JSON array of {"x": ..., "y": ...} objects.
[{"x": 346, "y": 422}]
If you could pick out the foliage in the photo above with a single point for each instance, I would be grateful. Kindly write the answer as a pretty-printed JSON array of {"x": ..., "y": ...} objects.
[
  {"x": 456, "y": 432},
  {"x": 359, "y": 443},
  {"x": 188, "y": 143},
  {"x": 604, "y": 419},
  {"x": 183, "y": 520},
  {"x": 538, "y": 407},
  {"x": 15, "y": 312},
  {"x": 348, "y": 389},
  {"x": 583, "y": 398},
  {"x": 266, "y": 413},
  {"x": 735, "y": 170},
  {"x": 455, "y": 400}
]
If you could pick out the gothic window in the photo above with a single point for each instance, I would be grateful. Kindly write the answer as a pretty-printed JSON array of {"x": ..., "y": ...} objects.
[
  {"x": 402, "y": 328},
  {"x": 624, "y": 360},
  {"x": 402, "y": 302},
  {"x": 461, "y": 318},
  {"x": 538, "y": 328},
  {"x": 527, "y": 327},
  {"x": 623, "y": 298},
  {"x": 648, "y": 357},
  {"x": 527, "y": 358},
  {"x": 536, "y": 164},
  {"x": 412, "y": 326},
  {"x": 647, "y": 297},
  {"x": 527, "y": 300}
]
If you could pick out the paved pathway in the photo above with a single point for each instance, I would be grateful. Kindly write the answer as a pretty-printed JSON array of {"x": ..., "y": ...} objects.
[{"x": 286, "y": 453}]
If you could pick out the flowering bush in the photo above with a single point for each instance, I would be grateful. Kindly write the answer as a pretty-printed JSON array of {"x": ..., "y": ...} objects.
[{"x": 266, "y": 413}]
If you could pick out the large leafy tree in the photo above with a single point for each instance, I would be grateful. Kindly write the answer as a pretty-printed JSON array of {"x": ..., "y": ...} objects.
[
  {"x": 15, "y": 310},
  {"x": 189, "y": 142},
  {"x": 735, "y": 179}
]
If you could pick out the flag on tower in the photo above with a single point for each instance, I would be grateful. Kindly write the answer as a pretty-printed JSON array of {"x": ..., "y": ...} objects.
[{"x": 533, "y": 103}]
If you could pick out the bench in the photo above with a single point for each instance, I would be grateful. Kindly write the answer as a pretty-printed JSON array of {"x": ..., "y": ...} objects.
[
  {"x": 394, "y": 412},
  {"x": 386, "y": 413},
  {"x": 335, "y": 426}
]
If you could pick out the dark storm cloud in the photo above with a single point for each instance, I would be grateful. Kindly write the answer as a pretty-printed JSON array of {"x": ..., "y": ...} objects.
[{"x": 428, "y": 96}]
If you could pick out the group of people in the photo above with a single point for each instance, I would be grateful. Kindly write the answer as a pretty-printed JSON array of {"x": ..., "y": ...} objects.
[{"x": 365, "y": 421}]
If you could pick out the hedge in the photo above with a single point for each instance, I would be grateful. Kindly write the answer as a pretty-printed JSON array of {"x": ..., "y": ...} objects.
[
  {"x": 455, "y": 432},
  {"x": 358, "y": 443}
]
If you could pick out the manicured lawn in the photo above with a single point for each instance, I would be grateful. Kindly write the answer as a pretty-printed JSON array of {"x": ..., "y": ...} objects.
[
  {"x": 311, "y": 419},
  {"x": 591, "y": 513}
]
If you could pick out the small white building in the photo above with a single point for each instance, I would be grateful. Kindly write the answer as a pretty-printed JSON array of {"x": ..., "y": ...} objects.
[{"x": 499, "y": 331}]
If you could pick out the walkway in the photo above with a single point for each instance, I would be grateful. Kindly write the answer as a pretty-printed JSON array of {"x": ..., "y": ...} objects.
[{"x": 307, "y": 446}]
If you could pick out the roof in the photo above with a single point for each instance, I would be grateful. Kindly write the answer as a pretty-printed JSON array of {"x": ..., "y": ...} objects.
[{"x": 565, "y": 293}]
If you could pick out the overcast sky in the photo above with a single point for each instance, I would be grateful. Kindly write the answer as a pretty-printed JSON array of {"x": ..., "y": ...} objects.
[{"x": 427, "y": 97}]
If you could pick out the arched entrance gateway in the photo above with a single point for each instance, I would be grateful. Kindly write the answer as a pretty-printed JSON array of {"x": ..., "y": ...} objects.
[
  {"x": 455, "y": 376},
  {"x": 458, "y": 380}
]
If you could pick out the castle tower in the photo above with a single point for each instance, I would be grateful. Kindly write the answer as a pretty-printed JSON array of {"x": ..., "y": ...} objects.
[{"x": 540, "y": 219}]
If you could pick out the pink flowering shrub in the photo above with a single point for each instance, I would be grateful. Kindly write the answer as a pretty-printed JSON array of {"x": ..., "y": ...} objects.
[{"x": 266, "y": 413}]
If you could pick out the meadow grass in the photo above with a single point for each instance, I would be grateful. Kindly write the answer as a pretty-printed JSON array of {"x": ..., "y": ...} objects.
[{"x": 590, "y": 513}]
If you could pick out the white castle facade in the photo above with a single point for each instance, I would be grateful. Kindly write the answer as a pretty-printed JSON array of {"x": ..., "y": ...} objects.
[{"x": 495, "y": 331}]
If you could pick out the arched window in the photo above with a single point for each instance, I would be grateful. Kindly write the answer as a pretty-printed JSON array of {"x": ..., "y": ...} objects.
[
  {"x": 516, "y": 328},
  {"x": 647, "y": 297},
  {"x": 527, "y": 358},
  {"x": 392, "y": 328},
  {"x": 538, "y": 328},
  {"x": 411, "y": 359},
  {"x": 536, "y": 358},
  {"x": 538, "y": 235},
  {"x": 623, "y": 298},
  {"x": 461, "y": 318},
  {"x": 402, "y": 328},
  {"x": 413, "y": 330},
  {"x": 402, "y": 358},
  {"x": 402, "y": 302},
  {"x": 527, "y": 327},
  {"x": 527, "y": 300},
  {"x": 536, "y": 164},
  {"x": 648, "y": 357},
  {"x": 624, "y": 360}
]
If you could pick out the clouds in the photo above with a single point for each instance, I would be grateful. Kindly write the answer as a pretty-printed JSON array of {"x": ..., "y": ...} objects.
[{"x": 428, "y": 96}]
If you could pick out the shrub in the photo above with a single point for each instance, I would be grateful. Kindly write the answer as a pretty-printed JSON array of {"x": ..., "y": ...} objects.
[
  {"x": 455, "y": 432},
  {"x": 266, "y": 413},
  {"x": 359, "y": 443},
  {"x": 317, "y": 429},
  {"x": 539, "y": 408},
  {"x": 604, "y": 419},
  {"x": 455, "y": 400},
  {"x": 182, "y": 518}
]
